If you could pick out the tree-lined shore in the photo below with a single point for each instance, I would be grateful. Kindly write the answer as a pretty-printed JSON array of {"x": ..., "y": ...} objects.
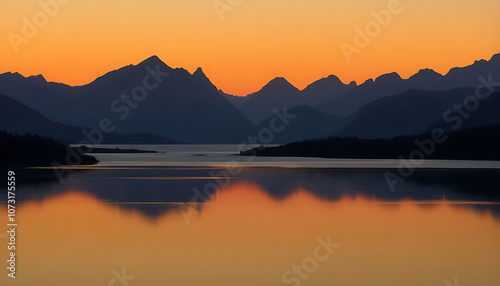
[
  {"x": 482, "y": 143},
  {"x": 31, "y": 150}
]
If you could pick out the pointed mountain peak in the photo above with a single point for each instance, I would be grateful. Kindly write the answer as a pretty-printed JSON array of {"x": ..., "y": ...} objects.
[
  {"x": 152, "y": 62},
  {"x": 152, "y": 59},
  {"x": 276, "y": 86},
  {"x": 200, "y": 76},
  {"x": 279, "y": 82},
  {"x": 353, "y": 83},
  {"x": 426, "y": 73},
  {"x": 199, "y": 73},
  {"x": 388, "y": 77},
  {"x": 129, "y": 72}
]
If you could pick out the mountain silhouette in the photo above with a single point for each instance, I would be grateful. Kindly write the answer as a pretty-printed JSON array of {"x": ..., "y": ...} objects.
[
  {"x": 237, "y": 101},
  {"x": 426, "y": 79},
  {"x": 329, "y": 95},
  {"x": 325, "y": 89},
  {"x": 487, "y": 114},
  {"x": 187, "y": 108},
  {"x": 16, "y": 117},
  {"x": 414, "y": 112},
  {"x": 279, "y": 93},
  {"x": 307, "y": 124},
  {"x": 190, "y": 108},
  {"x": 368, "y": 91},
  {"x": 391, "y": 84},
  {"x": 275, "y": 94},
  {"x": 468, "y": 76}
]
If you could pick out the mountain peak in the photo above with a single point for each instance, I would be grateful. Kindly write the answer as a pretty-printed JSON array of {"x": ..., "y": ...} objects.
[
  {"x": 126, "y": 73},
  {"x": 279, "y": 83},
  {"x": 200, "y": 76},
  {"x": 152, "y": 62},
  {"x": 277, "y": 86},
  {"x": 333, "y": 78},
  {"x": 426, "y": 73},
  {"x": 153, "y": 58},
  {"x": 388, "y": 77},
  {"x": 199, "y": 73},
  {"x": 368, "y": 81},
  {"x": 495, "y": 58},
  {"x": 279, "y": 79},
  {"x": 37, "y": 78},
  {"x": 330, "y": 82},
  {"x": 12, "y": 75}
]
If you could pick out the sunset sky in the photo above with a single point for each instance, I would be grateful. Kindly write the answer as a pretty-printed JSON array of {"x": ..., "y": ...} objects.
[{"x": 242, "y": 49}]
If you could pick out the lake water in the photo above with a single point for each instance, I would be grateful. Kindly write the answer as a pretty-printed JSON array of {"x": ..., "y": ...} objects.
[{"x": 187, "y": 216}]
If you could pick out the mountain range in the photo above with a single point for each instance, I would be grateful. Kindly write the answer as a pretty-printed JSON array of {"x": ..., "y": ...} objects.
[
  {"x": 17, "y": 117},
  {"x": 330, "y": 95},
  {"x": 178, "y": 105},
  {"x": 151, "y": 102}
]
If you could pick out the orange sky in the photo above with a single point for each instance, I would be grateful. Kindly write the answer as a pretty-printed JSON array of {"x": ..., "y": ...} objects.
[{"x": 243, "y": 48}]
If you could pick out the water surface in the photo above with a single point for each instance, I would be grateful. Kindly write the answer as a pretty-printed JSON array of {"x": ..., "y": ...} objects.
[{"x": 194, "y": 224}]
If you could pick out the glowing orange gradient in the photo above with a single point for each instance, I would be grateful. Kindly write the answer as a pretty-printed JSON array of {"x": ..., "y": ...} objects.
[
  {"x": 245, "y": 237},
  {"x": 256, "y": 42}
]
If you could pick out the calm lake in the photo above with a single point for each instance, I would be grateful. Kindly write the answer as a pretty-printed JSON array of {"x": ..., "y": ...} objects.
[{"x": 198, "y": 215}]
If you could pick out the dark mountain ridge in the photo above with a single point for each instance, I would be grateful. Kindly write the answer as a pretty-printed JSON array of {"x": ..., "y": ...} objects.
[{"x": 177, "y": 105}]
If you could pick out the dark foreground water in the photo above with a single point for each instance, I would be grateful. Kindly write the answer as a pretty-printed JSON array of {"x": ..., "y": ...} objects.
[{"x": 204, "y": 222}]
